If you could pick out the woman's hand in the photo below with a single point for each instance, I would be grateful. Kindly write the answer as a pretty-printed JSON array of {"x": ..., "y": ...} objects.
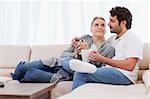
[
  {"x": 80, "y": 45},
  {"x": 95, "y": 56}
]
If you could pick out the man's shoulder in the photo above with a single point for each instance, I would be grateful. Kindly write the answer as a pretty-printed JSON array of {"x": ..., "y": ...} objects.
[{"x": 131, "y": 36}]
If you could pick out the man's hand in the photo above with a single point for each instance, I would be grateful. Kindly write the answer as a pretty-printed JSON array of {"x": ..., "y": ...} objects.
[
  {"x": 127, "y": 64},
  {"x": 95, "y": 56},
  {"x": 74, "y": 41}
]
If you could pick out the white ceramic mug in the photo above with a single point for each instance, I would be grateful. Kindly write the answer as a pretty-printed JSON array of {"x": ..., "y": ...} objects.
[{"x": 85, "y": 55}]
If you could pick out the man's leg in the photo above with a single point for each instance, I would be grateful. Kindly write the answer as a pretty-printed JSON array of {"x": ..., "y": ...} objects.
[
  {"x": 36, "y": 76},
  {"x": 102, "y": 75}
]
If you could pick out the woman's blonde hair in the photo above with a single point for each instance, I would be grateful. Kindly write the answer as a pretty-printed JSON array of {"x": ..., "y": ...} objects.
[{"x": 97, "y": 17}]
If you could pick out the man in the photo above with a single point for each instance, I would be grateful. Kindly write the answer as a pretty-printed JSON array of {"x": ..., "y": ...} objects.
[{"x": 123, "y": 67}]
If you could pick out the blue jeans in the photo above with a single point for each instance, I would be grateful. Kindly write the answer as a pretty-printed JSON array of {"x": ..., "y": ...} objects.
[
  {"x": 33, "y": 72},
  {"x": 65, "y": 64},
  {"x": 36, "y": 76},
  {"x": 102, "y": 75}
]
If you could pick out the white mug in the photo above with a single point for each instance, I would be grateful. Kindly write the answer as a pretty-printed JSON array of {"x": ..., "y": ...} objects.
[{"x": 85, "y": 55}]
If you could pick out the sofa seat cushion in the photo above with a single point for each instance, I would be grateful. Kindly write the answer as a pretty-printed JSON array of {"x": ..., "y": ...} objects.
[
  {"x": 97, "y": 91},
  {"x": 6, "y": 72},
  {"x": 5, "y": 79}
]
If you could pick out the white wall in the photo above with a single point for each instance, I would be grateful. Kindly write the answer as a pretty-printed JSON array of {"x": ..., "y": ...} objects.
[{"x": 50, "y": 22}]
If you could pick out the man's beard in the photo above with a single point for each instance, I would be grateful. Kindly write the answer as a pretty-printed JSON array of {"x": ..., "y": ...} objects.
[
  {"x": 117, "y": 30},
  {"x": 112, "y": 31}
]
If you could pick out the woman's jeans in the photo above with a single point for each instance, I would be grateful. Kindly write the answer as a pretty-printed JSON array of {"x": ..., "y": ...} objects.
[
  {"x": 102, "y": 75},
  {"x": 34, "y": 72},
  {"x": 65, "y": 64},
  {"x": 37, "y": 72}
]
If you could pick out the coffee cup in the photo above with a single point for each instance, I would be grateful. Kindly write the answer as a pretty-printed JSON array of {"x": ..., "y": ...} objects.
[{"x": 85, "y": 55}]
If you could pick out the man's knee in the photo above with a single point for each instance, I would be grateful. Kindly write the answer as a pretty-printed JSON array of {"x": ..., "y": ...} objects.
[{"x": 79, "y": 75}]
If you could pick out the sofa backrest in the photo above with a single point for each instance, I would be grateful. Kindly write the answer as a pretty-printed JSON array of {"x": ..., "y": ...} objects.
[
  {"x": 144, "y": 64},
  {"x": 11, "y": 55},
  {"x": 46, "y": 51}
]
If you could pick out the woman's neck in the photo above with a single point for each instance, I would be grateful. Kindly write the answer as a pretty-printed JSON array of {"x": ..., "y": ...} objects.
[{"x": 98, "y": 40}]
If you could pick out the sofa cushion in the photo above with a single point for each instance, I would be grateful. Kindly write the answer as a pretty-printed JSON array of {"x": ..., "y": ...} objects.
[
  {"x": 46, "y": 51},
  {"x": 105, "y": 91},
  {"x": 146, "y": 57},
  {"x": 6, "y": 72},
  {"x": 11, "y": 55},
  {"x": 145, "y": 62},
  {"x": 5, "y": 79}
]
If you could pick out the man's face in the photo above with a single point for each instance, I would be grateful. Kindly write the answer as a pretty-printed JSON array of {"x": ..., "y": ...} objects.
[{"x": 114, "y": 25}]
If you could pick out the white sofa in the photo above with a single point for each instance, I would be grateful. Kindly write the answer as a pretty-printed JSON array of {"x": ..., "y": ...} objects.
[{"x": 11, "y": 55}]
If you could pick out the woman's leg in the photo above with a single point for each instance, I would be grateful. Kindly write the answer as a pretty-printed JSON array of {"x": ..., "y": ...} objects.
[
  {"x": 23, "y": 67},
  {"x": 65, "y": 64},
  {"x": 102, "y": 75},
  {"x": 36, "y": 76}
]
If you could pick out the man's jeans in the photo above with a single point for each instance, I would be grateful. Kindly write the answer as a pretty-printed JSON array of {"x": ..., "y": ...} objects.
[
  {"x": 102, "y": 75},
  {"x": 33, "y": 72}
]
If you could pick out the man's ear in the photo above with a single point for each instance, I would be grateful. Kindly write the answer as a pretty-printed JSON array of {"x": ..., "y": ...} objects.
[{"x": 123, "y": 23}]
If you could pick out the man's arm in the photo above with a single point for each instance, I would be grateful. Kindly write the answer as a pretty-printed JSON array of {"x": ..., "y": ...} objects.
[
  {"x": 127, "y": 64},
  {"x": 72, "y": 51},
  {"x": 76, "y": 46}
]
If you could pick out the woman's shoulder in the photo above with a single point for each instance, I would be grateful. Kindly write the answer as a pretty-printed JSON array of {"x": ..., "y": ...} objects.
[
  {"x": 107, "y": 44},
  {"x": 86, "y": 36}
]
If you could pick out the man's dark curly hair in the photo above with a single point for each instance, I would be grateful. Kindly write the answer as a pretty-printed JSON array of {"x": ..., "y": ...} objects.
[{"x": 122, "y": 14}]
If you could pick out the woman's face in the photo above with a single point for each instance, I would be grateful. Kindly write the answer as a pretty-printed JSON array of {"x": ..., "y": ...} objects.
[{"x": 98, "y": 28}]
